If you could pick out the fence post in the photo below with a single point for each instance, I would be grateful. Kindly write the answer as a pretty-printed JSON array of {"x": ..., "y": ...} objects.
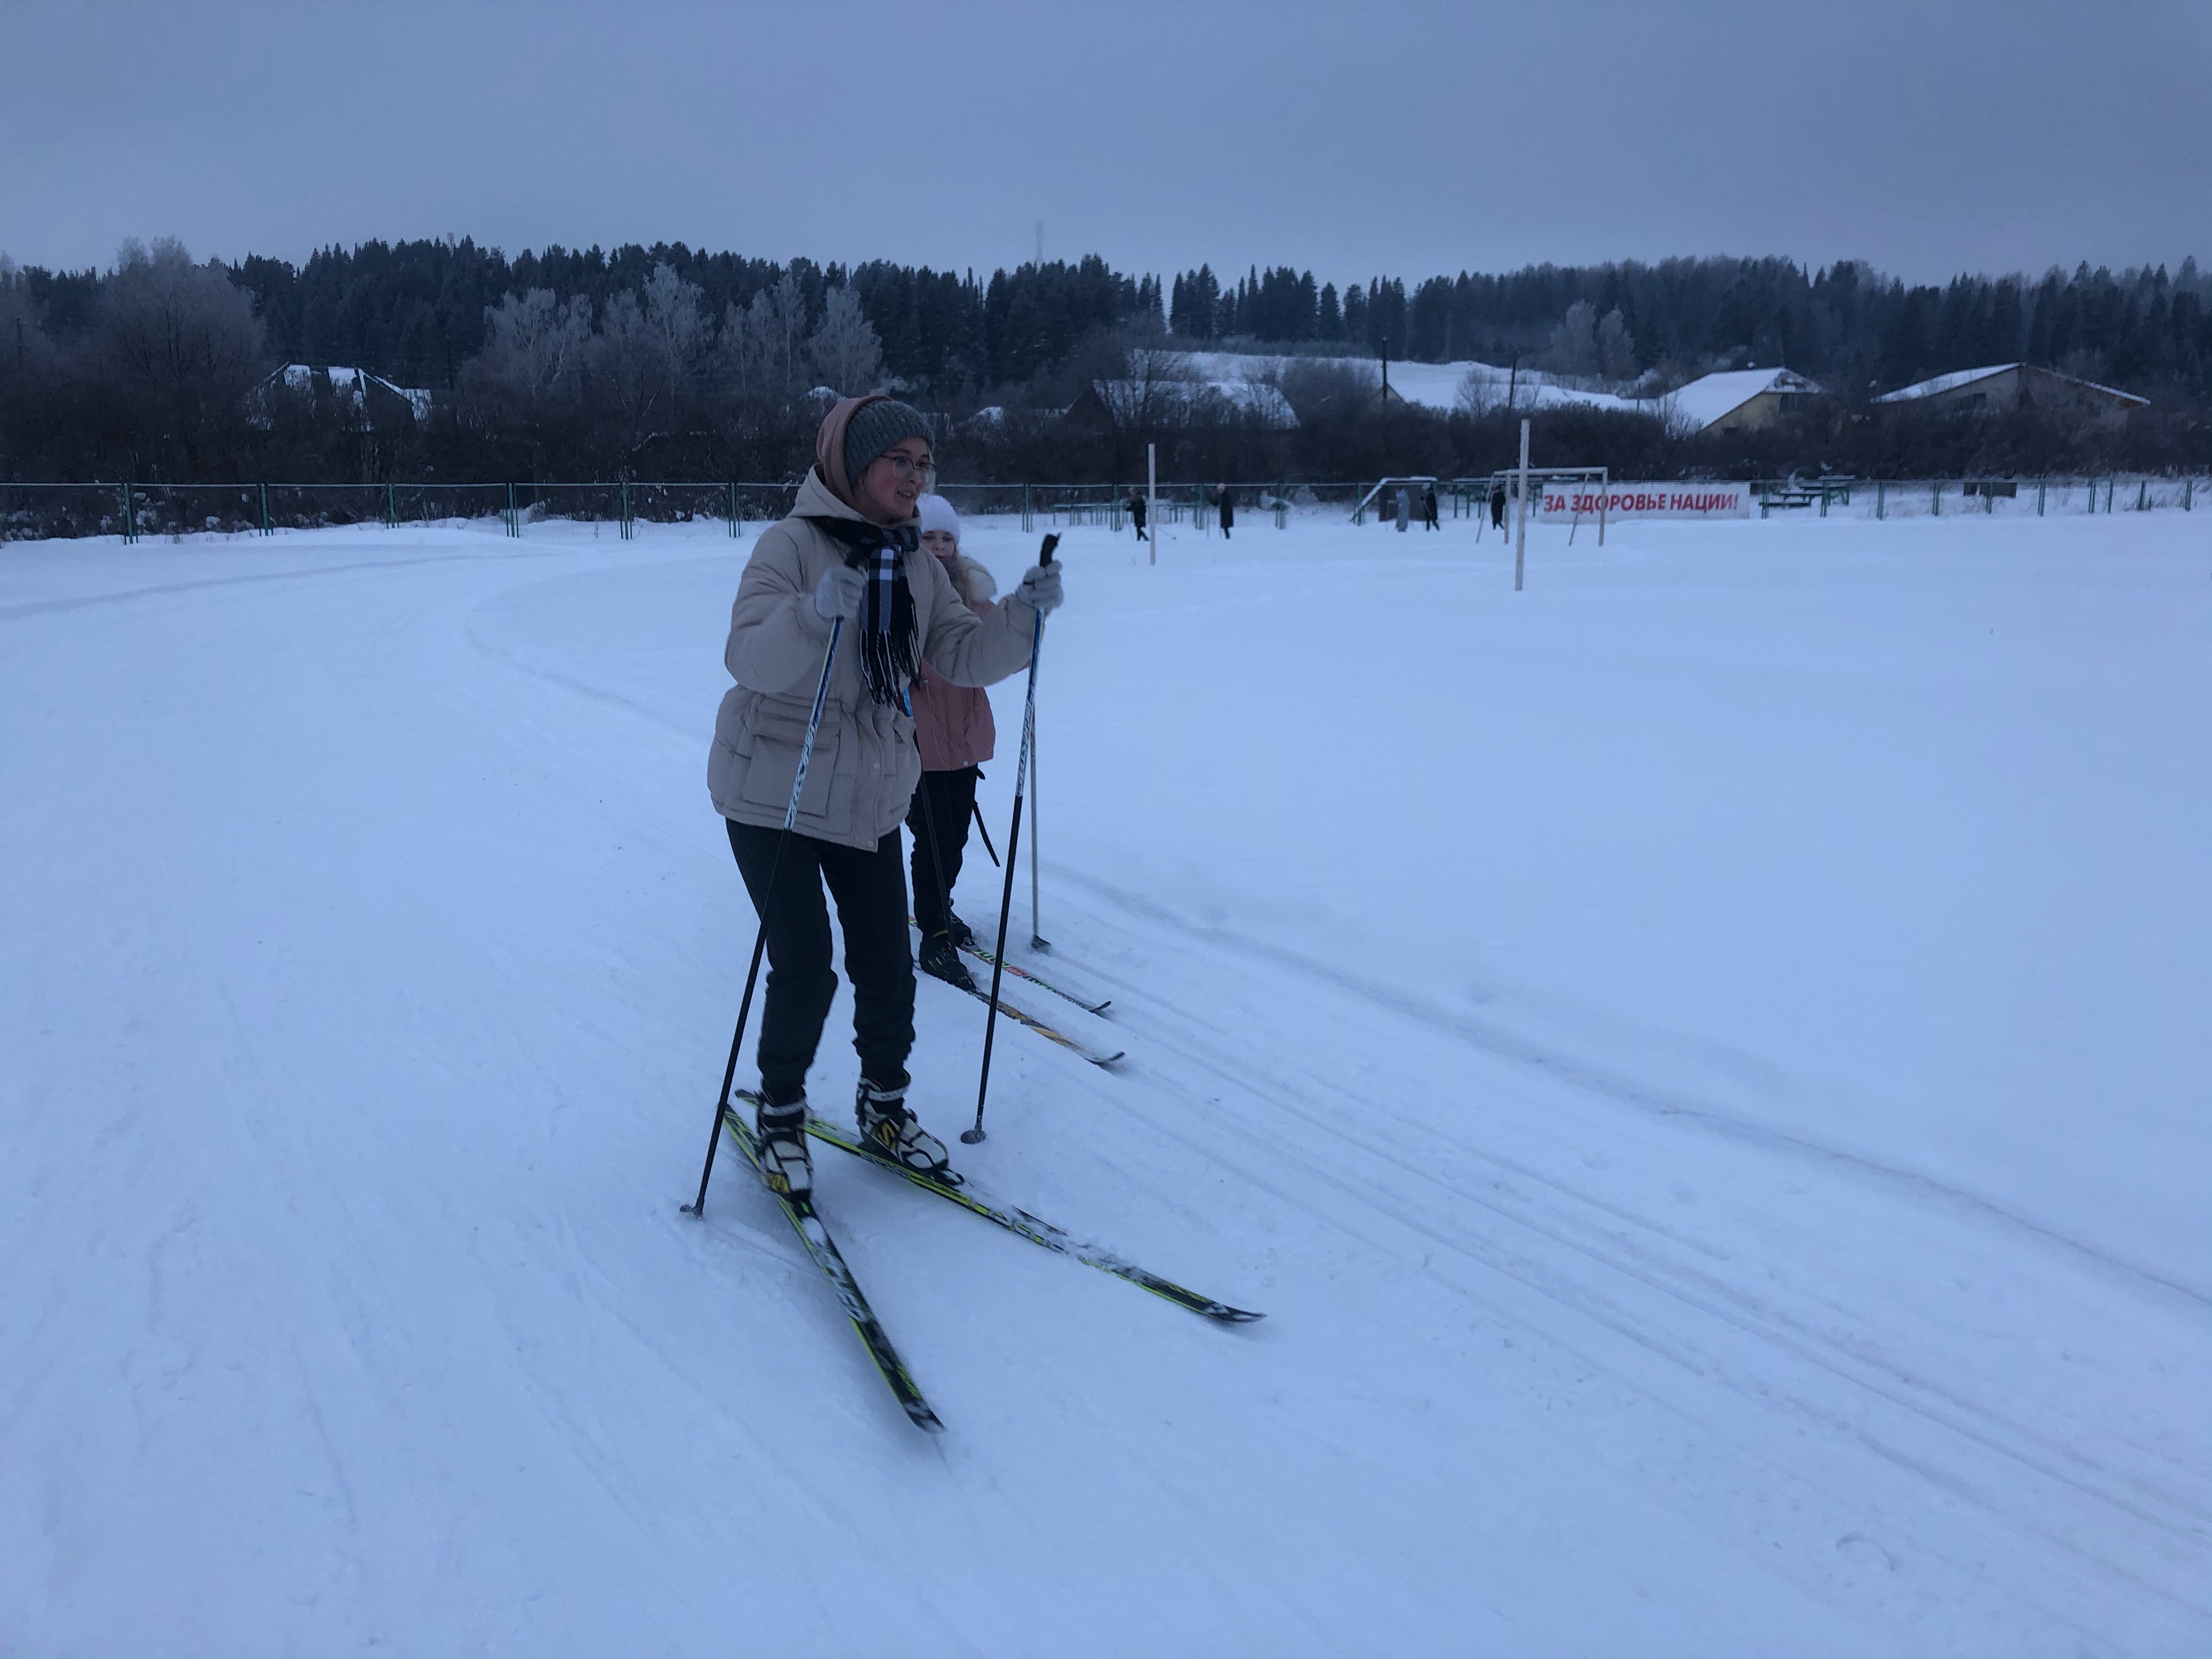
[
  {"x": 2142, "y": 494},
  {"x": 1880, "y": 495},
  {"x": 2111, "y": 484},
  {"x": 263, "y": 489},
  {"x": 1027, "y": 526},
  {"x": 2188, "y": 494},
  {"x": 513, "y": 527},
  {"x": 2039, "y": 484},
  {"x": 622, "y": 512},
  {"x": 1152, "y": 503},
  {"x": 130, "y": 535},
  {"x": 390, "y": 506},
  {"x": 1520, "y": 513}
]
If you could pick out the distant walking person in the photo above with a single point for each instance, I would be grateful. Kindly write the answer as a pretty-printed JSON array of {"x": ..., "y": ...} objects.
[
  {"x": 1228, "y": 511},
  {"x": 1137, "y": 512},
  {"x": 1405, "y": 509},
  {"x": 953, "y": 726},
  {"x": 1498, "y": 504},
  {"x": 1429, "y": 509}
]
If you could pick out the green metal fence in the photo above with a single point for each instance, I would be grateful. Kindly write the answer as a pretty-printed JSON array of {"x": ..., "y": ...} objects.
[{"x": 134, "y": 511}]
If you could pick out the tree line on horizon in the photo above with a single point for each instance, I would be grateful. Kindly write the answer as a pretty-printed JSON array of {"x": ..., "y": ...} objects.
[{"x": 679, "y": 362}]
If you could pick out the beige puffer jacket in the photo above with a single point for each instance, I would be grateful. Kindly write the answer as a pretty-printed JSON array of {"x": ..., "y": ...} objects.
[{"x": 865, "y": 765}]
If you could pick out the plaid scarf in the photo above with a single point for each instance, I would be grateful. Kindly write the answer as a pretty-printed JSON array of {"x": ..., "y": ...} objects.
[{"x": 888, "y": 637}]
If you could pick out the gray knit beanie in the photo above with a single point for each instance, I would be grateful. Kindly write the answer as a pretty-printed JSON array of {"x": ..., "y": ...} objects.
[{"x": 875, "y": 428}]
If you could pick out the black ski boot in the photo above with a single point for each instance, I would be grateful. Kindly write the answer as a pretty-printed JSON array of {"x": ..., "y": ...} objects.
[
  {"x": 961, "y": 935},
  {"x": 891, "y": 1130},
  {"x": 786, "y": 1164},
  {"x": 940, "y": 959}
]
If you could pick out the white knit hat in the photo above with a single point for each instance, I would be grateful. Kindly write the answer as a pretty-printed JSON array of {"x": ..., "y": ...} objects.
[{"x": 937, "y": 514}]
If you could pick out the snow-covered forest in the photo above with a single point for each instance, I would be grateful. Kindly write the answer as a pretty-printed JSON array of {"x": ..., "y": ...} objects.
[{"x": 675, "y": 364}]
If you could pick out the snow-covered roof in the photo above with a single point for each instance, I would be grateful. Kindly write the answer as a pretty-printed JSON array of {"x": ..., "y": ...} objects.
[
  {"x": 351, "y": 383},
  {"x": 1937, "y": 384},
  {"x": 1713, "y": 397}
]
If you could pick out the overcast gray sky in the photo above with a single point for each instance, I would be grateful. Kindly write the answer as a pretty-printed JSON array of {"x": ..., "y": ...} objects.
[{"x": 1407, "y": 139}]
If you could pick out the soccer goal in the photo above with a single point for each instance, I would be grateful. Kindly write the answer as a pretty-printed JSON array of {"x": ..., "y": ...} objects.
[
  {"x": 1580, "y": 492},
  {"x": 1383, "y": 500}
]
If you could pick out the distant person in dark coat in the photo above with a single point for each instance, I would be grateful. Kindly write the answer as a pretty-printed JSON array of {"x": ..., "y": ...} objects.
[
  {"x": 1228, "y": 510},
  {"x": 1429, "y": 508},
  {"x": 1497, "y": 507},
  {"x": 1137, "y": 513}
]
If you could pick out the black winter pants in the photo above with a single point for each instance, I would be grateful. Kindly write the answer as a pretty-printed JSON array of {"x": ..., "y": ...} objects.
[
  {"x": 870, "y": 889},
  {"x": 948, "y": 800}
]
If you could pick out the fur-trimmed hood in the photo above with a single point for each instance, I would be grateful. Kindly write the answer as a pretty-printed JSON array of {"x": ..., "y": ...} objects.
[{"x": 970, "y": 580}]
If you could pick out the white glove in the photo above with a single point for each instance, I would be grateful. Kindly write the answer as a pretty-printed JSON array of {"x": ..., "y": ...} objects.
[
  {"x": 1040, "y": 587},
  {"x": 839, "y": 592}
]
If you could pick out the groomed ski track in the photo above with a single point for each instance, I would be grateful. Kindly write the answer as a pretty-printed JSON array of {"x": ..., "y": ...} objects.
[{"x": 371, "y": 950}]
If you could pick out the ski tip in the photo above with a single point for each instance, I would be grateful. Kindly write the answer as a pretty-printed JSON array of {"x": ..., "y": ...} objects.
[
  {"x": 1228, "y": 1315},
  {"x": 1112, "y": 1060}
]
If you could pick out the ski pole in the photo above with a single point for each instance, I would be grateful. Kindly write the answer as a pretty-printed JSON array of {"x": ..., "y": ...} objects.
[
  {"x": 1037, "y": 941},
  {"x": 1013, "y": 839},
  {"x": 698, "y": 1206},
  {"x": 983, "y": 832}
]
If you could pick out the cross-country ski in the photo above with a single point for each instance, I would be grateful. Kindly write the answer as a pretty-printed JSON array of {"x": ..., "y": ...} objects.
[
  {"x": 814, "y": 1233},
  {"x": 949, "y": 1185},
  {"x": 971, "y": 947}
]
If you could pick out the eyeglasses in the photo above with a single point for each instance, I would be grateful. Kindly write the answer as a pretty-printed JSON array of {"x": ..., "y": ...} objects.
[{"x": 905, "y": 467}]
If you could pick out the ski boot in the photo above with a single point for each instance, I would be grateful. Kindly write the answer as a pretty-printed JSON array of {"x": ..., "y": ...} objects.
[
  {"x": 786, "y": 1164},
  {"x": 961, "y": 935},
  {"x": 891, "y": 1130},
  {"x": 940, "y": 959}
]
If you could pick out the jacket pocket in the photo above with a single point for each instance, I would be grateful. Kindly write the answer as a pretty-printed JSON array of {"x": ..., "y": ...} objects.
[{"x": 774, "y": 764}]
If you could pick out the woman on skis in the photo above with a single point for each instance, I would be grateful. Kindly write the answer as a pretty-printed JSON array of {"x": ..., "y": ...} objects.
[
  {"x": 847, "y": 552},
  {"x": 954, "y": 727}
]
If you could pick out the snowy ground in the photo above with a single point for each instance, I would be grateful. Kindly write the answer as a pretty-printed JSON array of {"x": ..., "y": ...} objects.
[{"x": 1703, "y": 1061}]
